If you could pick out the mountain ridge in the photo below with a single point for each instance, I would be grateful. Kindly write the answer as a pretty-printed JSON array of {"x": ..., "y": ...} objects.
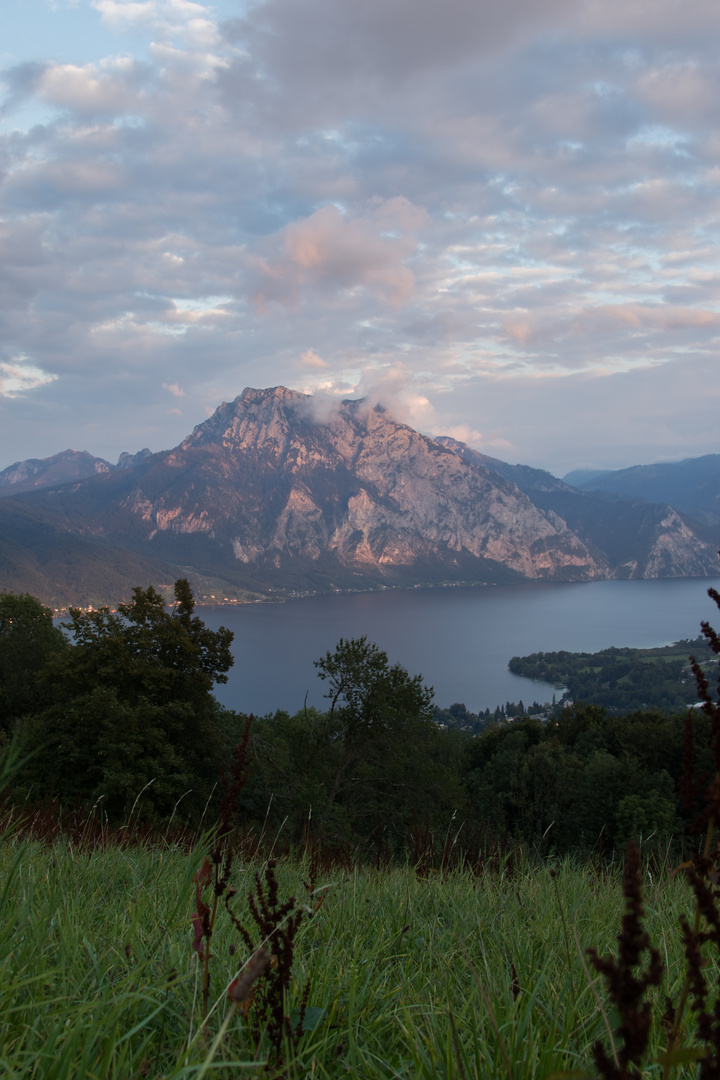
[
  {"x": 691, "y": 485},
  {"x": 271, "y": 497},
  {"x": 63, "y": 468}
]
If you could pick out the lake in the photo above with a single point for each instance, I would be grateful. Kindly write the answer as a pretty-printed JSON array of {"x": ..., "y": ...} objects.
[{"x": 459, "y": 639}]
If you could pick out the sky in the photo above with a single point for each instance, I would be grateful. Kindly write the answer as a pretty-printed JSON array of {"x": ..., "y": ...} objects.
[{"x": 499, "y": 220}]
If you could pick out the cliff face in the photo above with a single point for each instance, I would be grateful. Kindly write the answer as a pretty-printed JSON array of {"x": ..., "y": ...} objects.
[
  {"x": 267, "y": 480},
  {"x": 637, "y": 538},
  {"x": 268, "y": 497}
]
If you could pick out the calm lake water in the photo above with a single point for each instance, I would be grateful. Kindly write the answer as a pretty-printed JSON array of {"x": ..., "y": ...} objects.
[{"x": 460, "y": 639}]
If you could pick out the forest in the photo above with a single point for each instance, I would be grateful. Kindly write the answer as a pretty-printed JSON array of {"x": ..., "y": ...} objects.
[
  {"x": 116, "y": 711},
  {"x": 622, "y": 679}
]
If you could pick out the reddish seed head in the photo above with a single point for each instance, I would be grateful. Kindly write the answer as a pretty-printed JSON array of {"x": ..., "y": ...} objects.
[
  {"x": 240, "y": 988},
  {"x": 197, "y": 944},
  {"x": 203, "y": 876}
]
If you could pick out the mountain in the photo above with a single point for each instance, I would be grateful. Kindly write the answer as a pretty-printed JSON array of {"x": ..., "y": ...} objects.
[
  {"x": 634, "y": 538},
  {"x": 269, "y": 498},
  {"x": 579, "y": 477},
  {"x": 47, "y": 472},
  {"x": 129, "y": 461},
  {"x": 63, "y": 568},
  {"x": 691, "y": 486},
  {"x": 64, "y": 468}
]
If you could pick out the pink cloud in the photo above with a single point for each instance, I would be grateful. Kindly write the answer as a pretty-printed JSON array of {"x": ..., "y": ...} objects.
[
  {"x": 660, "y": 318},
  {"x": 311, "y": 359},
  {"x": 519, "y": 330},
  {"x": 332, "y": 251},
  {"x": 104, "y": 88},
  {"x": 174, "y": 389}
]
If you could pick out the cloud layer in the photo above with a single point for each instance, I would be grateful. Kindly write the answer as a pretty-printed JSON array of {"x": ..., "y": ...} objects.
[{"x": 503, "y": 219}]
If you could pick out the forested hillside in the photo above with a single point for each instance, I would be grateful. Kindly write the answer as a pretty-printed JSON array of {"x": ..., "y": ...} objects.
[{"x": 622, "y": 679}]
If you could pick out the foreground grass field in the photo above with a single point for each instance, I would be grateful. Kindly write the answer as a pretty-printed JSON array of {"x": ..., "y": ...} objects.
[{"x": 455, "y": 976}]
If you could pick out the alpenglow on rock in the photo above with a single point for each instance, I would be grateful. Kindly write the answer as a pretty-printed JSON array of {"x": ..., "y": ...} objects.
[
  {"x": 273, "y": 496},
  {"x": 358, "y": 489}
]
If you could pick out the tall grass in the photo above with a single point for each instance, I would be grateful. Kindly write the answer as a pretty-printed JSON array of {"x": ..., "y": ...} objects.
[{"x": 451, "y": 975}]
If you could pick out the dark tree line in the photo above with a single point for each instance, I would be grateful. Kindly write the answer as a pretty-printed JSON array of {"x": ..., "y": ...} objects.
[{"x": 120, "y": 705}]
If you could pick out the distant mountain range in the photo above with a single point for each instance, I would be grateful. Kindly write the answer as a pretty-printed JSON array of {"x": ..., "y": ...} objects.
[
  {"x": 692, "y": 485},
  {"x": 61, "y": 468},
  {"x": 269, "y": 498}
]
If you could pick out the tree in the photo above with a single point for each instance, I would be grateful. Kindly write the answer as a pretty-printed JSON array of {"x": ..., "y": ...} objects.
[
  {"x": 28, "y": 640},
  {"x": 367, "y": 690},
  {"x": 146, "y": 652},
  {"x": 374, "y": 759},
  {"x": 378, "y": 715},
  {"x": 133, "y": 707}
]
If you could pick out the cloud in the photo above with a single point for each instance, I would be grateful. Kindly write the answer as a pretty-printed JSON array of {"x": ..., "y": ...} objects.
[
  {"x": 482, "y": 216},
  {"x": 92, "y": 88},
  {"x": 680, "y": 92},
  {"x": 22, "y": 81},
  {"x": 333, "y": 251},
  {"x": 395, "y": 389},
  {"x": 653, "y": 22},
  {"x": 312, "y": 360},
  {"x": 464, "y": 433},
  {"x": 174, "y": 389},
  {"x": 164, "y": 18},
  {"x": 334, "y": 41},
  {"x": 674, "y": 318},
  {"x": 21, "y": 375},
  {"x": 322, "y": 407}
]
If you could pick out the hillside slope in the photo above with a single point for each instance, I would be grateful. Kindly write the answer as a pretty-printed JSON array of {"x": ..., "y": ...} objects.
[{"x": 692, "y": 485}]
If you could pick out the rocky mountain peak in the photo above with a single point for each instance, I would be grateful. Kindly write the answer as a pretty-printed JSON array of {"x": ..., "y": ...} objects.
[
  {"x": 279, "y": 394},
  {"x": 285, "y": 479},
  {"x": 281, "y": 492},
  {"x": 254, "y": 417},
  {"x": 129, "y": 461},
  {"x": 283, "y": 425}
]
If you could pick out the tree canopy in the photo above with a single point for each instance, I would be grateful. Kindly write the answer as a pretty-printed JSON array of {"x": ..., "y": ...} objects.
[
  {"x": 132, "y": 706},
  {"x": 146, "y": 651},
  {"x": 28, "y": 640},
  {"x": 375, "y": 756},
  {"x": 120, "y": 705}
]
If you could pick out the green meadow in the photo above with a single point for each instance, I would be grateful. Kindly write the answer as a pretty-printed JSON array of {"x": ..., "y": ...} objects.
[{"x": 444, "y": 975}]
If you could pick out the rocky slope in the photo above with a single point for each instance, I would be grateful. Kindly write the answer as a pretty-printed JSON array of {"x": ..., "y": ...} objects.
[
  {"x": 269, "y": 497},
  {"x": 371, "y": 493},
  {"x": 639, "y": 539}
]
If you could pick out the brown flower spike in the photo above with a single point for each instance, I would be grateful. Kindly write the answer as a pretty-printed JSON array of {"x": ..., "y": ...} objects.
[{"x": 626, "y": 983}]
